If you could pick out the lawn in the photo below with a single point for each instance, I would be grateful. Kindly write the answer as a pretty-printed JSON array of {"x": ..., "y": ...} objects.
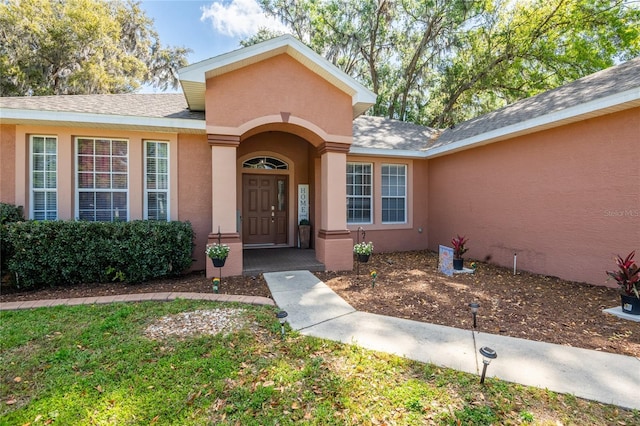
[{"x": 116, "y": 364}]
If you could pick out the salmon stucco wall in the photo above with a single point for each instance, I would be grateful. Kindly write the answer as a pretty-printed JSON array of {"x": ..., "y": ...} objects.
[
  {"x": 565, "y": 200},
  {"x": 7, "y": 163},
  {"x": 412, "y": 235},
  {"x": 277, "y": 85},
  {"x": 194, "y": 191}
]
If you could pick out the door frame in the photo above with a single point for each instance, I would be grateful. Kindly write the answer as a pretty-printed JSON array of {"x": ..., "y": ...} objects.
[
  {"x": 292, "y": 201},
  {"x": 278, "y": 234}
]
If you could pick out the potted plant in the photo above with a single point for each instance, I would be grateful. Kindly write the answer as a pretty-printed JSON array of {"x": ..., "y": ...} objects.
[
  {"x": 304, "y": 233},
  {"x": 363, "y": 251},
  {"x": 218, "y": 254},
  {"x": 628, "y": 278},
  {"x": 458, "y": 250}
]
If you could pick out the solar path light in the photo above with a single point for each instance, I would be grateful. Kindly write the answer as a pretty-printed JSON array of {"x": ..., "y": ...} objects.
[
  {"x": 282, "y": 317},
  {"x": 474, "y": 311},
  {"x": 487, "y": 355}
]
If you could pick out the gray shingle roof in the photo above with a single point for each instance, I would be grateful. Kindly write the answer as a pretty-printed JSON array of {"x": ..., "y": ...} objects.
[
  {"x": 139, "y": 105},
  {"x": 607, "y": 82},
  {"x": 368, "y": 132},
  {"x": 384, "y": 133}
]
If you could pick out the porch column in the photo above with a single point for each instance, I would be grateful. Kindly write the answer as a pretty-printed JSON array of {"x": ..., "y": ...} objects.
[
  {"x": 223, "y": 198},
  {"x": 334, "y": 246}
]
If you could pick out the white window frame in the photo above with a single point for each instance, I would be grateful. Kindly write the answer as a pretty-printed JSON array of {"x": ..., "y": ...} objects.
[
  {"x": 47, "y": 191},
  {"x": 369, "y": 197},
  {"x": 147, "y": 190},
  {"x": 95, "y": 190},
  {"x": 396, "y": 196}
]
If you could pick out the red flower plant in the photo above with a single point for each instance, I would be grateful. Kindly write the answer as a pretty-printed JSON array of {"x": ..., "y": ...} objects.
[
  {"x": 628, "y": 275},
  {"x": 458, "y": 246}
]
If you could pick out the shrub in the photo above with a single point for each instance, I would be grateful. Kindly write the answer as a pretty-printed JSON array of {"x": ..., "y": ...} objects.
[
  {"x": 56, "y": 253},
  {"x": 8, "y": 214}
]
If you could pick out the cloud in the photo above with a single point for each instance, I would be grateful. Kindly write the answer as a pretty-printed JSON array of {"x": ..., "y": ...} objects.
[{"x": 239, "y": 18}]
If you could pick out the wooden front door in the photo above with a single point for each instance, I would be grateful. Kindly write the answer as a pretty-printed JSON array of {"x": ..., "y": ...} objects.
[{"x": 264, "y": 209}]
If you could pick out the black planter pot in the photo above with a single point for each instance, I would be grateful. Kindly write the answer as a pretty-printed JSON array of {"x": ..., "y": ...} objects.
[
  {"x": 630, "y": 304},
  {"x": 458, "y": 264},
  {"x": 363, "y": 258},
  {"x": 219, "y": 263}
]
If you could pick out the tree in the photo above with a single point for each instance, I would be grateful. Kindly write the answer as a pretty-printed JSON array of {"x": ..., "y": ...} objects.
[
  {"x": 439, "y": 62},
  {"x": 81, "y": 47}
]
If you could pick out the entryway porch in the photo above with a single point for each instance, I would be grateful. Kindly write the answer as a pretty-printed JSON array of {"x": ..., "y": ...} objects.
[{"x": 257, "y": 261}]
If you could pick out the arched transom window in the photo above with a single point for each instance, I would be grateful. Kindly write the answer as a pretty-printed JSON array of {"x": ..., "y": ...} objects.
[{"x": 265, "y": 163}]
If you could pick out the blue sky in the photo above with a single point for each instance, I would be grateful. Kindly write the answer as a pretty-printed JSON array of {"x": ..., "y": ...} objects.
[{"x": 209, "y": 28}]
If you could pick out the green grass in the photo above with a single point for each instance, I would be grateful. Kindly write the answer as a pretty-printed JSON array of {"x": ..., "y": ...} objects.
[{"x": 89, "y": 365}]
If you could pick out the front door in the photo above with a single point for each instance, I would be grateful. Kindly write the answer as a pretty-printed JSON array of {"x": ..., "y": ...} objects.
[{"x": 264, "y": 209}]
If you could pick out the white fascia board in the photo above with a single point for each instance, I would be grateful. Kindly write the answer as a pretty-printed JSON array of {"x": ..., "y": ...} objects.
[
  {"x": 380, "y": 152},
  {"x": 197, "y": 72},
  {"x": 543, "y": 121},
  {"x": 101, "y": 119}
]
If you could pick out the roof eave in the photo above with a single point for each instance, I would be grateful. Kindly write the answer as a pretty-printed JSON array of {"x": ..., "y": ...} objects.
[
  {"x": 607, "y": 105},
  {"x": 382, "y": 152},
  {"x": 81, "y": 119}
]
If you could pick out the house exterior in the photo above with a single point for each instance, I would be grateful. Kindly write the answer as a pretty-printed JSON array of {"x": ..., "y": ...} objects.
[{"x": 265, "y": 136}]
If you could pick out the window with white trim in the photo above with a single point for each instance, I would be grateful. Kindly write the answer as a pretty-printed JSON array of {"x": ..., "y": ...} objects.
[
  {"x": 44, "y": 178},
  {"x": 156, "y": 180},
  {"x": 359, "y": 193},
  {"x": 102, "y": 179},
  {"x": 394, "y": 193}
]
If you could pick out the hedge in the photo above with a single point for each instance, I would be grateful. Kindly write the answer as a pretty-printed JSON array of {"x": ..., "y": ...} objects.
[
  {"x": 9, "y": 213},
  {"x": 55, "y": 253}
]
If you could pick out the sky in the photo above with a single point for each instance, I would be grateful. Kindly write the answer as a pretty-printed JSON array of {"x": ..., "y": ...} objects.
[{"x": 209, "y": 28}]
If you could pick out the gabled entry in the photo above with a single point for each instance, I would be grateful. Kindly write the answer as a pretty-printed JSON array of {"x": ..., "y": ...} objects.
[{"x": 277, "y": 89}]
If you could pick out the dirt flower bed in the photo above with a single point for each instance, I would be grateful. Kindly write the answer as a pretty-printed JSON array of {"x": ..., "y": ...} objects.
[{"x": 408, "y": 286}]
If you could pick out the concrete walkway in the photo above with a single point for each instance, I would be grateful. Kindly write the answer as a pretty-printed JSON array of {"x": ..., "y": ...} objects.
[{"x": 315, "y": 310}]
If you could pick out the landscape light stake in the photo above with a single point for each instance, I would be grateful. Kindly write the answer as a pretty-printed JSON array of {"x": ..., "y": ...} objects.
[
  {"x": 220, "y": 268},
  {"x": 282, "y": 317},
  {"x": 216, "y": 284},
  {"x": 474, "y": 311},
  {"x": 487, "y": 355},
  {"x": 360, "y": 229}
]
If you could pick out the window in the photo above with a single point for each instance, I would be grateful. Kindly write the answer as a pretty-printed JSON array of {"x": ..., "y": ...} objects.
[
  {"x": 157, "y": 180},
  {"x": 102, "y": 179},
  {"x": 44, "y": 179},
  {"x": 359, "y": 190},
  {"x": 265, "y": 163},
  {"x": 394, "y": 194}
]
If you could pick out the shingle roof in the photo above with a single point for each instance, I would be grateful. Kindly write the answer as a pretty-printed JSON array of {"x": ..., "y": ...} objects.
[
  {"x": 369, "y": 133},
  {"x": 384, "y": 133},
  {"x": 138, "y": 105},
  {"x": 610, "y": 81}
]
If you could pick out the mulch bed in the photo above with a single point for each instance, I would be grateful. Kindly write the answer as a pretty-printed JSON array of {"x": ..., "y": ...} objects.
[{"x": 528, "y": 306}]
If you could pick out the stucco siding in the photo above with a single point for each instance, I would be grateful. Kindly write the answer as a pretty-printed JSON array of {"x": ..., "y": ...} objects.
[
  {"x": 565, "y": 200},
  {"x": 194, "y": 191},
  {"x": 411, "y": 235},
  {"x": 7, "y": 163},
  {"x": 279, "y": 84}
]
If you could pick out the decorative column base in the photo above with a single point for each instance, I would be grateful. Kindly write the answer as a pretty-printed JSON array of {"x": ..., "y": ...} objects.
[
  {"x": 335, "y": 250},
  {"x": 233, "y": 266}
]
